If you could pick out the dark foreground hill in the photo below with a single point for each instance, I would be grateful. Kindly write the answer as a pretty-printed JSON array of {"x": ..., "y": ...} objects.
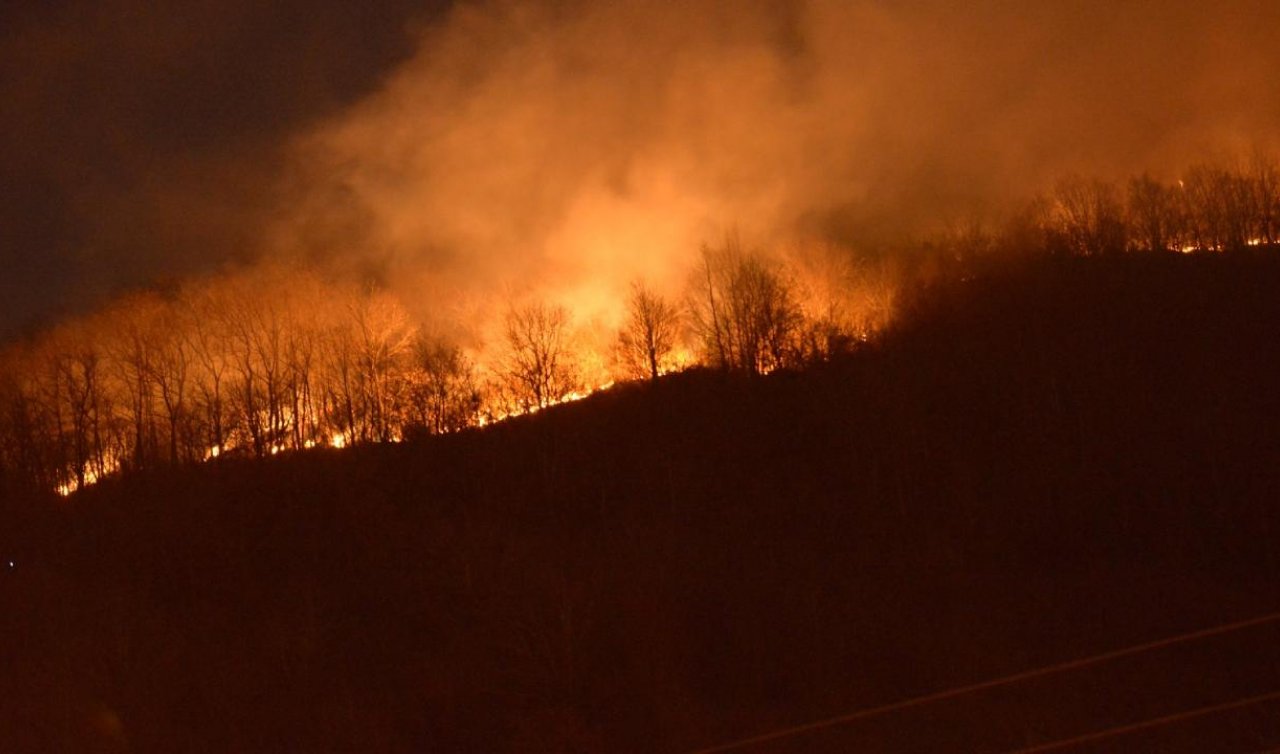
[{"x": 1046, "y": 462}]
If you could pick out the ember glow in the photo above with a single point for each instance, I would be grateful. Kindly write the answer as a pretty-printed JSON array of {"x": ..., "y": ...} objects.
[{"x": 90, "y": 474}]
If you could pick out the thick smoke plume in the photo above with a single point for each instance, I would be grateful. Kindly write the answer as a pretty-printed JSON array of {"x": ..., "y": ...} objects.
[{"x": 560, "y": 149}]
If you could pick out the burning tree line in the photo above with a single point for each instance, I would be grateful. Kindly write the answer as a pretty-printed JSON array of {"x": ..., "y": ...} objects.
[
  {"x": 1210, "y": 208},
  {"x": 273, "y": 360}
]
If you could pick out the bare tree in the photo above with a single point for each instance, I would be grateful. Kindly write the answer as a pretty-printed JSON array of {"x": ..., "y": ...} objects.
[
  {"x": 706, "y": 301},
  {"x": 744, "y": 311},
  {"x": 302, "y": 349},
  {"x": 1085, "y": 217},
  {"x": 340, "y": 379},
  {"x": 538, "y": 353},
  {"x": 171, "y": 371},
  {"x": 843, "y": 298},
  {"x": 135, "y": 323},
  {"x": 1219, "y": 205},
  {"x": 240, "y": 320},
  {"x": 82, "y": 391},
  {"x": 650, "y": 333},
  {"x": 365, "y": 355},
  {"x": 1153, "y": 213},
  {"x": 207, "y": 339},
  {"x": 385, "y": 336},
  {"x": 267, "y": 325},
  {"x": 445, "y": 396},
  {"x": 30, "y": 436},
  {"x": 1264, "y": 177}
]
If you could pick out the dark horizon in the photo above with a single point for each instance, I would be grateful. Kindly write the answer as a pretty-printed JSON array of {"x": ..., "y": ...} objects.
[{"x": 141, "y": 145}]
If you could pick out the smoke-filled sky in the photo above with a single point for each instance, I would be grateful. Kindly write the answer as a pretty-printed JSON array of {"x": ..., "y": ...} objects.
[{"x": 466, "y": 151}]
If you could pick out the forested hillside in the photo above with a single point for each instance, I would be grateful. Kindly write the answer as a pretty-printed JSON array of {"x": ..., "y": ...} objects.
[
  {"x": 1044, "y": 459},
  {"x": 277, "y": 358}
]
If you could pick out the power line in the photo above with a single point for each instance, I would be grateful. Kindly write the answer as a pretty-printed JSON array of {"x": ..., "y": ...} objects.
[
  {"x": 1145, "y": 724},
  {"x": 984, "y": 685}
]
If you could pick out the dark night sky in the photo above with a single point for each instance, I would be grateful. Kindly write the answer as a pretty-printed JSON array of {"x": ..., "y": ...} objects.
[
  {"x": 138, "y": 143},
  {"x": 459, "y": 151}
]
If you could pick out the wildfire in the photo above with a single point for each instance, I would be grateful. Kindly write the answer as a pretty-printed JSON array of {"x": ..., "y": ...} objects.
[
  {"x": 340, "y": 440},
  {"x": 678, "y": 360},
  {"x": 90, "y": 474},
  {"x": 91, "y": 477},
  {"x": 487, "y": 418},
  {"x": 366, "y": 374},
  {"x": 1191, "y": 248}
]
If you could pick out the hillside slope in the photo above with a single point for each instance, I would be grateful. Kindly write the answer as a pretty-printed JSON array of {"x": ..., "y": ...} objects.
[{"x": 1048, "y": 461}]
